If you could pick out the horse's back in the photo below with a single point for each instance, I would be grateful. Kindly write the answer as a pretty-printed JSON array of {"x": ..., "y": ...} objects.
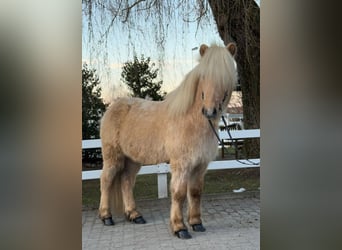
[{"x": 137, "y": 127}]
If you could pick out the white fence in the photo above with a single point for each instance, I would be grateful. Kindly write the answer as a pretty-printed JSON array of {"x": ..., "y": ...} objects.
[{"x": 162, "y": 169}]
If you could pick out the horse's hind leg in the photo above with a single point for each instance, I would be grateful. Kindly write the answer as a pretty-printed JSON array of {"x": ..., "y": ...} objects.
[
  {"x": 113, "y": 162},
  {"x": 127, "y": 184},
  {"x": 195, "y": 188}
]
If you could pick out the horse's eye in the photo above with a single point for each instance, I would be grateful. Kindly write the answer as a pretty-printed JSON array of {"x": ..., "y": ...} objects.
[{"x": 202, "y": 96}]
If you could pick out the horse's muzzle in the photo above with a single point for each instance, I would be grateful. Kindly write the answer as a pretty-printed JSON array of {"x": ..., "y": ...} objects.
[{"x": 210, "y": 113}]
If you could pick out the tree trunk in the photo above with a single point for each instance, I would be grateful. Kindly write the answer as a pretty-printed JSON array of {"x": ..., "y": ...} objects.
[{"x": 239, "y": 21}]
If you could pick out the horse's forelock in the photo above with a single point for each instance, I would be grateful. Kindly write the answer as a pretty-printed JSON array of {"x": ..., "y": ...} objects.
[{"x": 217, "y": 64}]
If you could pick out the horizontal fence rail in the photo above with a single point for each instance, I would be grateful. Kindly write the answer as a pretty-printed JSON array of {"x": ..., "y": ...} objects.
[{"x": 163, "y": 169}]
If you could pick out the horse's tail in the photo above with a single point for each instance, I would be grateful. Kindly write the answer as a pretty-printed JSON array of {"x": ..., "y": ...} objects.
[
  {"x": 116, "y": 199},
  {"x": 111, "y": 152}
]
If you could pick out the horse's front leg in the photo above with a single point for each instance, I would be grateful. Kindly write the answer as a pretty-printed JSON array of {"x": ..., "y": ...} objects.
[
  {"x": 195, "y": 188},
  {"x": 178, "y": 196}
]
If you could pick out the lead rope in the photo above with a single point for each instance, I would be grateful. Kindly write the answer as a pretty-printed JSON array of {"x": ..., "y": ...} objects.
[{"x": 249, "y": 162}]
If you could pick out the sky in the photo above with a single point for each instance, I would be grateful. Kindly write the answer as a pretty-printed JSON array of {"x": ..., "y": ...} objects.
[{"x": 178, "y": 57}]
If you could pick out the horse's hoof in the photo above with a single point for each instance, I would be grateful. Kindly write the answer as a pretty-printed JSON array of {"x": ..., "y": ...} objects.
[
  {"x": 183, "y": 234},
  {"x": 198, "y": 227},
  {"x": 108, "y": 221},
  {"x": 139, "y": 220}
]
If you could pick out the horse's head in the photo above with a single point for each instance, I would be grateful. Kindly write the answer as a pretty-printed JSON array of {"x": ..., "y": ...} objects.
[{"x": 218, "y": 77}]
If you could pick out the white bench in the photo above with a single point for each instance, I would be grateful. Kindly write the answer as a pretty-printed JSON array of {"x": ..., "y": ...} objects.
[{"x": 162, "y": 169}]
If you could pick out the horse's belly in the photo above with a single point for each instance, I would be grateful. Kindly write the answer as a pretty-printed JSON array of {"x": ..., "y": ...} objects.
[{"x": 144, "y": 151}]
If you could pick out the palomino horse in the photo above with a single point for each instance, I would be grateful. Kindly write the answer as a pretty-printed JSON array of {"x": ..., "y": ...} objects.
[{"x": 137, "y": 132}]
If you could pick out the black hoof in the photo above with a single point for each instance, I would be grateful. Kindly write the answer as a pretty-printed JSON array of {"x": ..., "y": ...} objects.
[
  {"x": 198, "y": 227},
  {"x": 183, "y": 234},
  {"x": 108, "y": 221},
  {"x": 139, "y": 220}
]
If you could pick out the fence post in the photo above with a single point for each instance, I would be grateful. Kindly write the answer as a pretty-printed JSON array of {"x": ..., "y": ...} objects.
[{"x": 162, "y": 180}]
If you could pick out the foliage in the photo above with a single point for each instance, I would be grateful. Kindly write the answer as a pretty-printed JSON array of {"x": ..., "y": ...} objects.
[
  {"x": 92, "y": 105},
  {"x": 140, "y": 76}
]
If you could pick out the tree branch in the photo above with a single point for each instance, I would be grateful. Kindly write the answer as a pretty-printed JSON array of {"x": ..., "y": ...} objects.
[{"x": 129, "y": 8}]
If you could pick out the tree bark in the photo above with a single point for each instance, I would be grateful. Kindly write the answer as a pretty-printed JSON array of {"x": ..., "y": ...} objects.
[{"x": 239, "y": 21}]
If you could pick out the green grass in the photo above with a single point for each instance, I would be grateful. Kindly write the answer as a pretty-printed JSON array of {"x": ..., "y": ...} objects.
[{"x": 216, "y": 181}]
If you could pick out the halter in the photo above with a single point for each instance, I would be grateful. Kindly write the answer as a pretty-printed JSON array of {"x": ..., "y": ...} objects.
[{"x": 249, "y": 162}]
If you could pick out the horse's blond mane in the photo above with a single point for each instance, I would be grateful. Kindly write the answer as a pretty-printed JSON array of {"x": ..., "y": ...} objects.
[
  {"x": 183, "y": 96},
  {"x": 217, "y": 64}
]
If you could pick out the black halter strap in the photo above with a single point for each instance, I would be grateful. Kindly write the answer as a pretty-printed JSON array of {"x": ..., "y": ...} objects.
[{"x": 249, "y": 162}]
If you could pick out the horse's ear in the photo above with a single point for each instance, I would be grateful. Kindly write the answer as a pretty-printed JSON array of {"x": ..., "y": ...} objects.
[
  {"x": 232, "y": 48},
  {"x": 203, "y": 48}
]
